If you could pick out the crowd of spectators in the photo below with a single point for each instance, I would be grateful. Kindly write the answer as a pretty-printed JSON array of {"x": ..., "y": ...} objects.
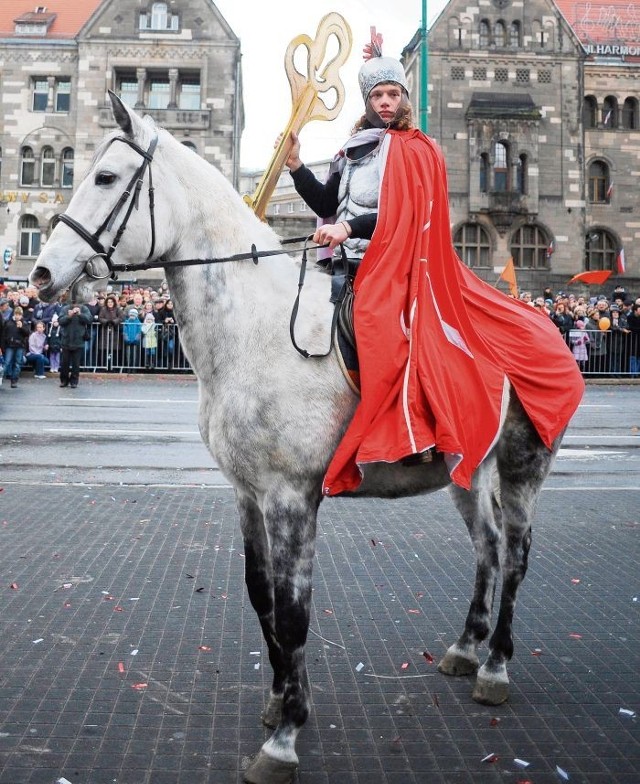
[
  {"x": 129, "y": 326},
  {"x": 603, "y": 332}
]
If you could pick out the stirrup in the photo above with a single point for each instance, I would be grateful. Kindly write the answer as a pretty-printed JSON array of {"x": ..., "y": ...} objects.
[{"x": 419, "y": 458}]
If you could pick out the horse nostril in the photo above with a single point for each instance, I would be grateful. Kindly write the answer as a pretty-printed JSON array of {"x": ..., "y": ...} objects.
[{"x": 40, "y": 277}]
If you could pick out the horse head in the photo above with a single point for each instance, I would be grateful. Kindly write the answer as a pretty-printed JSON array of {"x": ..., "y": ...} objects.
[{"x": 111, "y": 217}]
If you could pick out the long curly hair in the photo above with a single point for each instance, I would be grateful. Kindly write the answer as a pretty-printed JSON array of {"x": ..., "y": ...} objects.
[{"x": 403, "y": 121}]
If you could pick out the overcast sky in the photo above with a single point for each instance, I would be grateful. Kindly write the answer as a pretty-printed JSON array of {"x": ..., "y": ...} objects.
[{"x": 265, "y": 30}]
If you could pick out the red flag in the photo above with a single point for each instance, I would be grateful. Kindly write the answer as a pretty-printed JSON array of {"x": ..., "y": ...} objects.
[
  {"x": 596, "y": 276},
  {"x": 620, "y": 262}
]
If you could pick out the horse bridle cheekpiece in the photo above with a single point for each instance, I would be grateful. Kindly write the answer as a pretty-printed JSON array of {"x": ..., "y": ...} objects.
[{"x": 131, "y": 194}]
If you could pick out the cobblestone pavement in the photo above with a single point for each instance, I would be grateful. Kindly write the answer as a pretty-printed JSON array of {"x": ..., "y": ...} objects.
[{"x": 130, "y": 653}]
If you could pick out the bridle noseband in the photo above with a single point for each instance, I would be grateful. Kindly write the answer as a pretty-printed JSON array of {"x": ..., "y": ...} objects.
[{"x": 130, "y": 194}]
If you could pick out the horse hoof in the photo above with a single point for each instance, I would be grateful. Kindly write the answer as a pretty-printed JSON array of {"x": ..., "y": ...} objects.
[
  {"x": 272, "y": 714},
  {"x": 490, "y": 691},
  {"x": 267, "y": 770},
  {"x": 454, "y": 663}
]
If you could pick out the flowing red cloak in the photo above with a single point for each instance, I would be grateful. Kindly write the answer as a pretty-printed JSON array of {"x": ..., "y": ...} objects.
[{"x": 438, "y": 346}]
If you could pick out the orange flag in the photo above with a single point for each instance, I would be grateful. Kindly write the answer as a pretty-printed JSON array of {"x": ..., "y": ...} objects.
[
  {"x": 595, "y": 276},
  {"x": 508, "y": 274}
]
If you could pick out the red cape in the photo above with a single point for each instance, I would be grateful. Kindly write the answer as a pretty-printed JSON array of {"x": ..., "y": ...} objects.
[{"x": 438, "y": 346}]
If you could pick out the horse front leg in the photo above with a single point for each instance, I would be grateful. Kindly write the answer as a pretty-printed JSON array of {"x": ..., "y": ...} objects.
[
  {"x": 481, "y": 515},
  {"x": 523, "y": 464},
  {"x": 290, "y": 521},
  {"x": 258, "y": 573}
]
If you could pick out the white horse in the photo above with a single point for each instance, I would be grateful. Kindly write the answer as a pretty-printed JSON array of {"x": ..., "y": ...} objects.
[{"x": 273, "y": 419}]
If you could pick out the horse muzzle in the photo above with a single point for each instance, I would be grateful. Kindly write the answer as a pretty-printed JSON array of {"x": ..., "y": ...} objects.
[{"x": 94, "y": 271}]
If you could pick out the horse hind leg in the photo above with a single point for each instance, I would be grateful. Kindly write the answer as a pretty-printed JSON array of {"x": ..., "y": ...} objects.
[
  {"x": 479, "y": 512},
  {"x": 523, "y": 464},
  {"x": 290, "y": 522}
]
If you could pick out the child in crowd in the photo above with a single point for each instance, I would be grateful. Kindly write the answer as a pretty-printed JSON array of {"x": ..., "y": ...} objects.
[
  {"x": 149, "y": 340},
  {"x": 37, "y": 347},
  {"x": 55, "y": 344},
  {"x": 579, "y": 341}
]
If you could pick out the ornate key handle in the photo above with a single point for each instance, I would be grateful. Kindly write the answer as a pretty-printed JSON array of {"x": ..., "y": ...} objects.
[{"x": 306, "y": 92}]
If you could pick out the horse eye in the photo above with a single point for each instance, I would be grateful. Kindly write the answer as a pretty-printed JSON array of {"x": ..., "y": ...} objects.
[{"x": 105, "y": 178}]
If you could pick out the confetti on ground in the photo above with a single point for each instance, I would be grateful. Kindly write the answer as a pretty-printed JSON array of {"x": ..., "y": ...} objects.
[
  {"x": 521, "y": 763},
  {"x": 117, "y": 608},
  {"x": 254, "y": 653},
  {"x": 490, "y": 758},
  {"x": 435, "y": 700},
  {"x": 134, "y": 652},
  {"x": 359, "y": 667},
  {"x": 40, "y": 639},
  {"x": 627, "y": 712},
  {"x": 205, "y": 648},
  {"x": 536, "y": 652},
  {"x": 404, "y": 666},
  {"x": 373, "y": 542},
  {"x": 139, "y": 686},
  {"x": 63, "y": 781},
  {"x": 328, "y": 612},
  {"x": 256, "y": 666},
  {"x": 428, "y": 657},
  {"x": 575, "y": 581},
  {"x": 575, "y": 636},
  {"x": 14, "y": 586},
  {"x": 494, "y": 721},
  {"x": 414, "y": 612},
  {"x": 562, "y": 773},
  {"x": 120, "y": 667}
]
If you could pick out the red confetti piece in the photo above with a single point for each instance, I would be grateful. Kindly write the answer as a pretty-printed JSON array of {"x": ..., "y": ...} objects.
[
  {"x": 328, "y": 612},
  {"x": 404, "y": 666},
  {"x": 575, "y": 636},
  {"x": 204, "y": 648},
  {"x": 575, "y": 581},
  {"x": 139, "y": 686},
  {"x": 108, "y": 598},
  {"x": 429, "y": 658},
  {"x": 536, "y": 652},
  {"x": 494, "y": 721},
  {"x": 414, "y": 612},
  {"x": 491, "y": 758},
  {"x": 420, "y": 594},
  {"x": 117, "y": 608},
  {"x": 223, "y": 595},
  {"x": 14, "y": 586},
  {"x": 67, "y": 604},
  {"x": 120, "y": 667}
]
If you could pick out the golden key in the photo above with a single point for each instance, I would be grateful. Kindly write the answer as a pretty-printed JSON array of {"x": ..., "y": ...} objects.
[{"x": 306, "y": 92}]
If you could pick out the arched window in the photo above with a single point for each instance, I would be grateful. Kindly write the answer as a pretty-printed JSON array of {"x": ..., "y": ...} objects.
[
  {"x": 27, "y": 167},
  {"x": 515, "y": 36},
  {"x": 501, "y": 167},
  {"x": 66, "y": 180},
  {"x": 529, "y": 246},
  {"x": 590, "y": 112},
  {"x": 484, "y": 173},
  {"x": 29, "y": 236},
  {"x": 522, "y": 174},
  {"x": 473, "y": 245},
  {"x": 630, "y": 114},
  {"x": 159, "y": 16},
  {"x": 610, "y": 112},
  {"x": 500, "y": 34},
  {"x": 598, "y": 184},
  {"x": 47, "y": 167},
  {"x": 484, "y": 31},
  {"x": 600, "y": 250}
]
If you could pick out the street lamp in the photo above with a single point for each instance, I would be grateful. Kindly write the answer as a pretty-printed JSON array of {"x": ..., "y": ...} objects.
[{"x": 424, "y": 72}]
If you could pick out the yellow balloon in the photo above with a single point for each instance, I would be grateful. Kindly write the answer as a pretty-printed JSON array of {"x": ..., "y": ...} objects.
[{"x": 604, "y": 323}]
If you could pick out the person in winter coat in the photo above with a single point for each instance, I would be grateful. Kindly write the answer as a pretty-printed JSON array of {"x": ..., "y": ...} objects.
[
  {"x": 37, "y": 347},
  {"x": 16, "y": 333},
  {"x": 109, "y": 318},
  {"x": 74, "y": 320},
  {"x": 54, "y": 340},
  {"x": 150, "y": 340},
  {"x": 131, "y": 332}
]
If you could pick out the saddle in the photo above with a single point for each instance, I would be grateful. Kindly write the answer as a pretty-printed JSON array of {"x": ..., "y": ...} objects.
[{"x": 344, "y": 338}]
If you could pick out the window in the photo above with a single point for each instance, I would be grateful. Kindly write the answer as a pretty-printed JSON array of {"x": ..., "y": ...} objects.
[
  {"x": 522, "y": 175},
  {"x": 40, "y": 95},
  {"x": 158, "y": 18},
  {"x": 457, "y": 73},
  {"x": 522, "y": 75},
  {"x": 500, "y": 34},
  {"x": 501, "y": 166},
  {"x": 159, "y": 93},
  {"x": 63, "y": 95},
  {"x": 502, "y": 74},
  {"x": 598, "y": 182},
  {"x": 600, "y": 250},
  {"x": 29, "y": 236},
  {"x": 473, "y": 245},
  {"x": 484, "y": 173},
  {"x": 610, "y": 112},
  {"x": 544, "y": 77},
  {"x": 529, "y": 247},
  {"x": 630, "y": 114},
  {"x": 66, "y": 180},
  {"x": 47, "y": 167},
  {"x": 590, "y": 112},
  {"x": 479, "y": 74},
  {"x": 27, "y": 167},
  {"x": 514, "y": 34},
  {"x": 128, "y": 89},
  {"x": 189, "y": 94},
  {"x": 484, "y": 33}
]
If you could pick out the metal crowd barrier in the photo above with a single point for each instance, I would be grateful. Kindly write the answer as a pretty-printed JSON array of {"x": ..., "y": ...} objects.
[
  {"x": 610, "y": 354},
  {"x": 107, "y": 351}
]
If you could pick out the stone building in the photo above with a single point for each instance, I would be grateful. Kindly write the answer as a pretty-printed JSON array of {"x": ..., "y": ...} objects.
[
  {"x": 178, "y": 61},
  {"x": 535, "y": 104}
]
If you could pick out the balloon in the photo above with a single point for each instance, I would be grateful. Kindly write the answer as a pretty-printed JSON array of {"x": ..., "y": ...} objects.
[{"x": 604, "y": 323}]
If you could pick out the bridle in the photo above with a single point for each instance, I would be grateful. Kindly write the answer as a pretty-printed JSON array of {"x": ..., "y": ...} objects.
[{"x": 131, "y": 194}]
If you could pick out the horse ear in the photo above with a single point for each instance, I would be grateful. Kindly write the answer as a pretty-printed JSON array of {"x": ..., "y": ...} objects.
[{"x": 121, "y": 114}]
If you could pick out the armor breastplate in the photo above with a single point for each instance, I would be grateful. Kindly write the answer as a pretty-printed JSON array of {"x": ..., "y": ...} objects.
[{"x": 358, "y": 195}]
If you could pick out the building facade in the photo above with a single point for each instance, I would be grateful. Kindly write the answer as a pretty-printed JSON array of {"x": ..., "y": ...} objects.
[
  {"x": 178, "y": 61},
  {"x": 535, "y": 104}
]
